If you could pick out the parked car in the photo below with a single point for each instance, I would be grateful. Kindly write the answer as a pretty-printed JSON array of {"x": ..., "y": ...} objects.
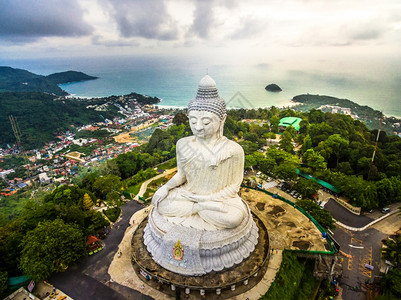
[{"x": 385, "y": 210}]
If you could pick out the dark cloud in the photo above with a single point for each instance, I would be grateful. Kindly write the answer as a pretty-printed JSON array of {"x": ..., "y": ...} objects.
[
  {"x": 203, "y": 19},
  {"x": 249, "y": 28},
  {"x": 28, "y": 20},
  {"x": 148, "y": 19},
  {"x": 371, "y": 30},
  {"x": 368, "y": 34},
  {"x": 98, "y": 40}
]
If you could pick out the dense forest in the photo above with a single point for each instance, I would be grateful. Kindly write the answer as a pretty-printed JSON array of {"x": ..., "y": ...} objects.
[
  {"x": 333, "y": 147},
  {"x": 41, "y": 117},
  {"x": 69, "y": 76},
  {"x": 366, "y": 114}
]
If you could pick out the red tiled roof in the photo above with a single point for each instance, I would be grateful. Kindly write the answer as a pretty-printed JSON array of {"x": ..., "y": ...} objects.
[{"x": 91, "y": 239}]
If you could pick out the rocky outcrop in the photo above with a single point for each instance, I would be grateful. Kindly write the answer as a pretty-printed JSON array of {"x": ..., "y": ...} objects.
[{"x": 273, "y": 88}]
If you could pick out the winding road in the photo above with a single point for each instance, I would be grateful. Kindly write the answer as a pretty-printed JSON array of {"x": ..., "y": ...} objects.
[{"x": 90, "y": 280}]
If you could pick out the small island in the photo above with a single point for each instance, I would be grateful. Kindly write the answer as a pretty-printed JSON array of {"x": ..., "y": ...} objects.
[
  {"x": 69, "y": 76},
  {"x": 273, "y": 88}
]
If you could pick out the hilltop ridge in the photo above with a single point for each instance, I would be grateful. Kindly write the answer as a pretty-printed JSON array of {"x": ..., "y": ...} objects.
[
  {"x": 20, "y": 80},
  {"x": 69, "y": 76}
]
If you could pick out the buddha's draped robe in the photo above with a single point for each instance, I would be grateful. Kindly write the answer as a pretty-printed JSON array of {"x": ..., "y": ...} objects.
[{"x": 215, "y": 171}]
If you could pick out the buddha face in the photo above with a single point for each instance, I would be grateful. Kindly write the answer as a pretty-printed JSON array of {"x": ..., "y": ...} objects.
[{"x": 204, "y": 125}]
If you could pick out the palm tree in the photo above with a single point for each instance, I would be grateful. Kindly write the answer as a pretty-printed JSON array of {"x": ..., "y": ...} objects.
[{"x": 393, "y": 251}]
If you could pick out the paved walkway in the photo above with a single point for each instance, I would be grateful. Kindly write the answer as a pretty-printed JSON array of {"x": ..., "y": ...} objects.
[
  {"x": 350, "y": 221},
  {"x": 261, "y": 288},
  {"x": 346, "y": 217},
  {"x": 121, "y": 270},
  {"x": 369, "y": 224},
  {"x": 144, "y": 185}
]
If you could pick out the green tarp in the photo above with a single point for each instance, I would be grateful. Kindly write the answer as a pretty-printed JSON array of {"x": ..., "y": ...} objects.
[
  {"x": 319, "y": 181},
  {"x": 17, "y": 281},
  {"x": 290, "y": 121}
]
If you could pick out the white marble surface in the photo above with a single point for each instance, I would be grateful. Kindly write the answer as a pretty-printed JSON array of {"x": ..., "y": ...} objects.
[
  {"x": 204, "y": 251},
  {"x": 200, "y": 206}
]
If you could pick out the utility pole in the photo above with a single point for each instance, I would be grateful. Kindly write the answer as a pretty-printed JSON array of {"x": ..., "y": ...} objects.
[
  {"x": 16, "y": 131},
  {"x": 17, "y": 134},
  {"x": 374, "y": 150}
]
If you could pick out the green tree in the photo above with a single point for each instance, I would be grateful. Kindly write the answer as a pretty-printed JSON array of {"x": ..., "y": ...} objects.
[
  {"x": 113, "y": 199},
  {"x": 3, "y": 282},
  {"x": 286, "y": 170},
  {"x": 391, "y": 284},
  {"x": 274, "y": 121},
  {"x": 160, "y": 140},
  {"x": 307, "y": 144},
  {"x": 180, "y": 118},
  {"x": 345, "y": 168},
  {"x": 286, "y": 142},
  {"x": 130, "y": 163},
  {"x": 112, "y": 168},
  {"x": 52, "y": 246},
  {"x": 314, "y": 160},
  {"x": 251, "y": 136},
  {"x": 10, "y": 247},
  {"x": 270, "y": 135},
  {"x": 322, "y": 216},
  {"x": 106, "y": 184},
  {"x": 307, "y": 188},
  {"x": 337, "y": 145},
  {"x": 250, "y": 161},
  {"x": 304, "y": 127},
  {"x": 316, "y": 116},
  {"x": 87, "y": 202},
  {"x": 392, "y": 251},
  {"x": 319, "y": 132},
  {"x": 248, "y": 147},
  {"x": 267, "y": 165}
]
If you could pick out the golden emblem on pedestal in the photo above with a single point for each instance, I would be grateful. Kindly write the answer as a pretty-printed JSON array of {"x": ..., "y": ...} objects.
[{"x": 178, "y": 251}]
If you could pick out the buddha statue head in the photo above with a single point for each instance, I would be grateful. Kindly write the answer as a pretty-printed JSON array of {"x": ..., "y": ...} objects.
[{"x": 207, "y": 111}]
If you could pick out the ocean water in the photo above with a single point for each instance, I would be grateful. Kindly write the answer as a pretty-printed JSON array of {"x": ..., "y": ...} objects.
[{"x": 175, "y": 79}]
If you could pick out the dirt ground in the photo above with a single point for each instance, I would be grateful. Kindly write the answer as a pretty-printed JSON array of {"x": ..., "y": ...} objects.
[
  {"x": 126, "y": 138},
  {"x": 288, "y": 228}
]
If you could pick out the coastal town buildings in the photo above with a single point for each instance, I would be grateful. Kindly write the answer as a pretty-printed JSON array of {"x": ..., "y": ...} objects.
[{"x": 58, "y": 161}]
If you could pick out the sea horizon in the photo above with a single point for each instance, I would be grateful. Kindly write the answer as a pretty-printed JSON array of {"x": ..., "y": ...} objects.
[{"x": 175, "y": 80}]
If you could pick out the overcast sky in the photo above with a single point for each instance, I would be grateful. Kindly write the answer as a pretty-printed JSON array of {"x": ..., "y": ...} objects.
[{"x": 250, "y": 29}]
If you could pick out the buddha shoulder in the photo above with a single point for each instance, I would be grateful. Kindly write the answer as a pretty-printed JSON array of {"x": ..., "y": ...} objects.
[
  {"x": 184, "y": 141},
  {"x": 235, "y": 147}
]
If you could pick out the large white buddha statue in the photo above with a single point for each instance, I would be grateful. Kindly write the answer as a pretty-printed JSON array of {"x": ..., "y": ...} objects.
[
  {"x": 199, "y": 207},
  {"x": 204, "y": 192}
]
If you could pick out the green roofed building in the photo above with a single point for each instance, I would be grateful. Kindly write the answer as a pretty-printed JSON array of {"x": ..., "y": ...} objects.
[{"x": 290, "y": 121}]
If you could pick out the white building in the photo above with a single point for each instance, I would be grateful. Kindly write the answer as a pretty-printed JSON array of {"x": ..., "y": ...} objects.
[{"x": 43, "y": 178}]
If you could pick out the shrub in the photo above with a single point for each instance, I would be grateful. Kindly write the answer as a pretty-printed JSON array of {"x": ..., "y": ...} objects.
[{"x": 112, "y": 213}]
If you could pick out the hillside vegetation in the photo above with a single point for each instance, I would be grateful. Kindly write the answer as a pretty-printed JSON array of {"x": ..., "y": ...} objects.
[
  {"x": 69, "y": 76},
  {"x": 40, "y": 117},
  {"x": 366, "y": 114},
  {"x": 19, "y": 80}
]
